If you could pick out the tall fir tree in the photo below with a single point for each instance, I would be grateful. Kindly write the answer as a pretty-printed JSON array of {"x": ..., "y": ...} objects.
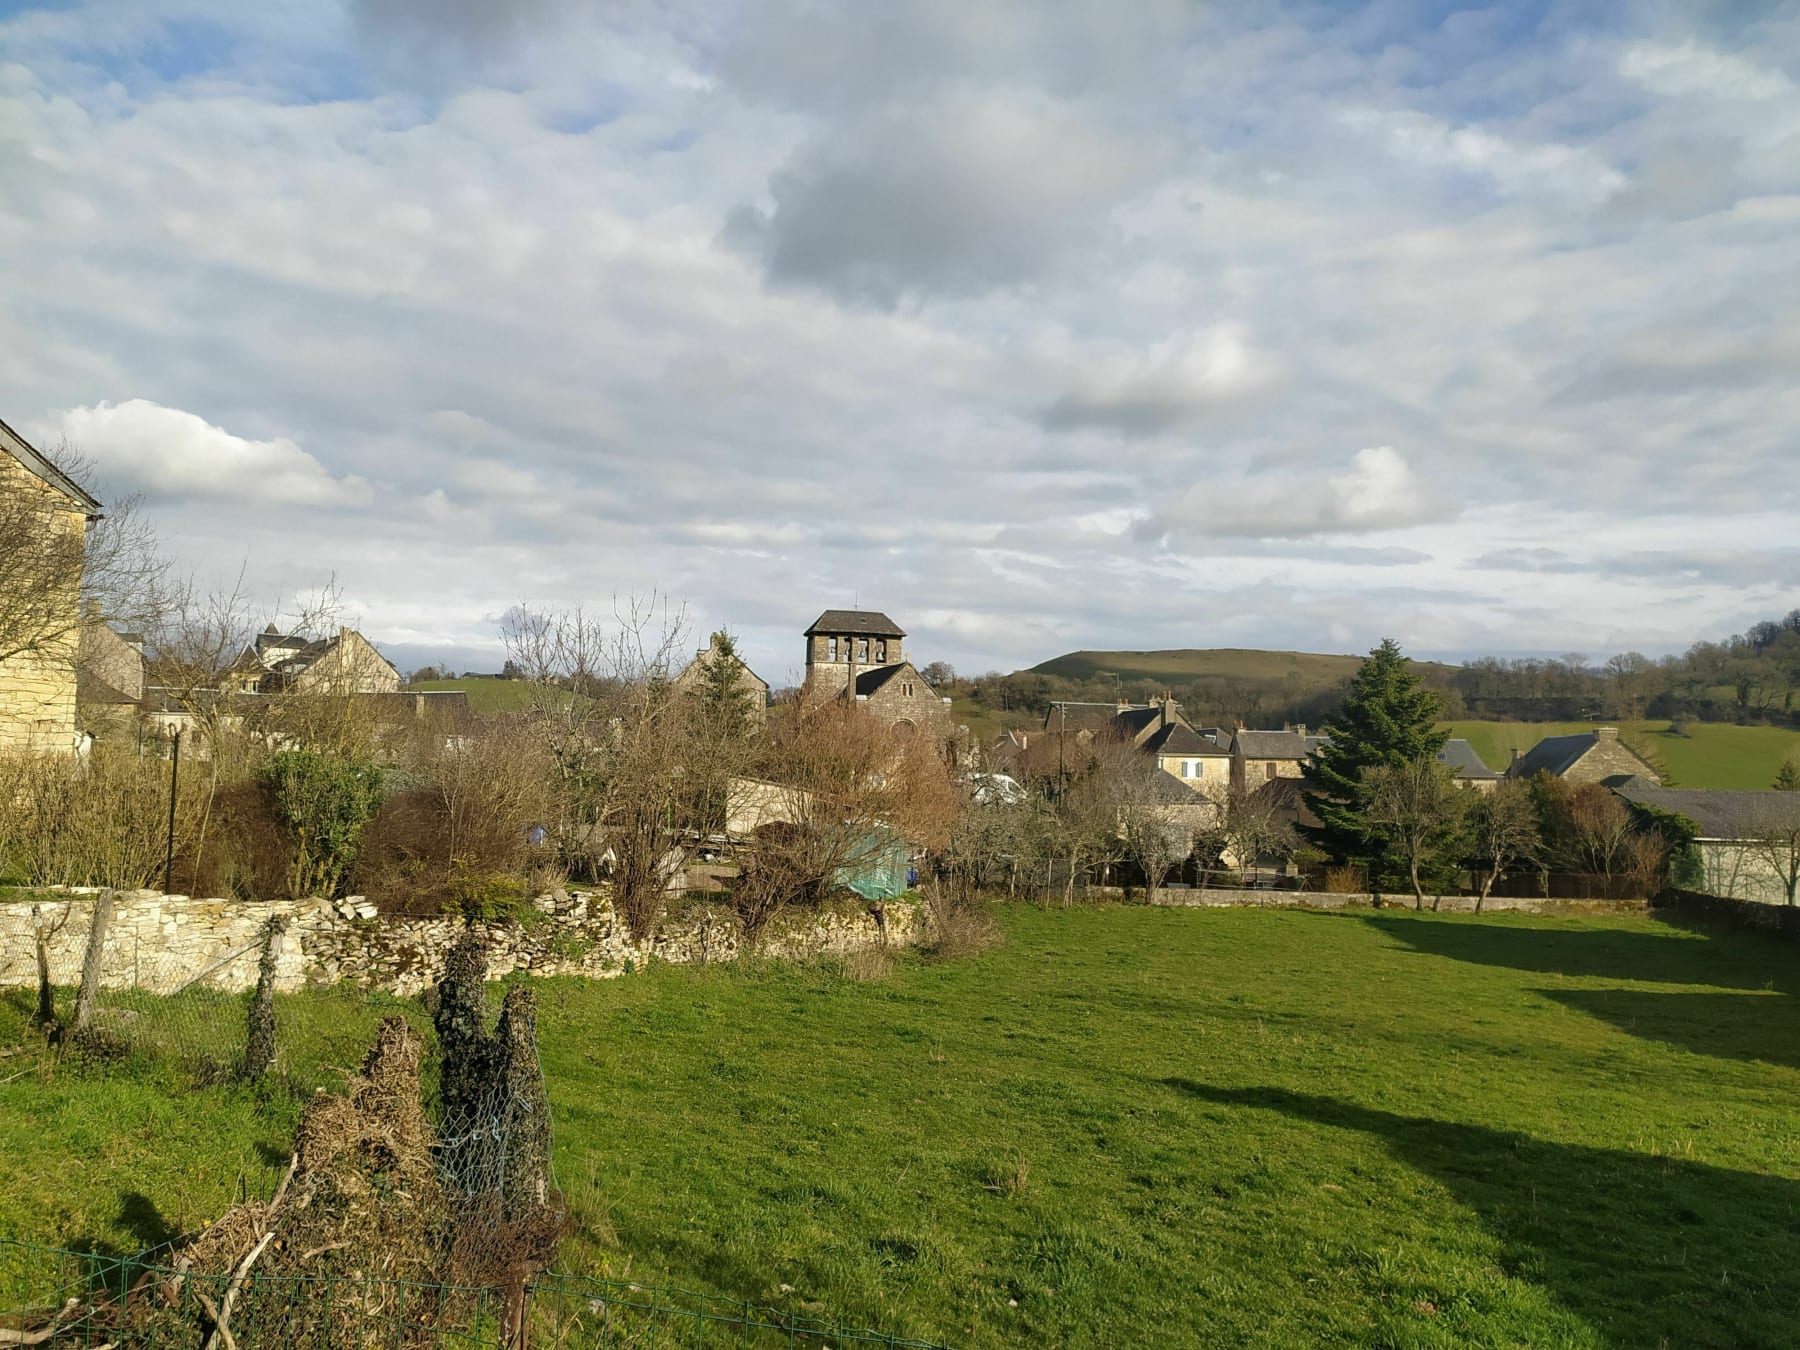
[
  {"x": 726, "y": 705},
  {"x": 1388, "y": 718}
]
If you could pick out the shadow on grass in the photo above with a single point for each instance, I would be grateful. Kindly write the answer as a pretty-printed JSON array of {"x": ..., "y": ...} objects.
[
  {"x": 1727, "y": 1026},
  {"x": 1647, "y": 1250},
  {"x": 1727, "y": 960}
]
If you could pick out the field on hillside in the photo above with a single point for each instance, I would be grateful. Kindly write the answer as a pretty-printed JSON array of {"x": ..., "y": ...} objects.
[
  {"x": 1308, "y": 669},
  {"x": 1126, "y": 1126},
  {"x": 1712, "y": 755},
  {"x": 486, "y": 697}
]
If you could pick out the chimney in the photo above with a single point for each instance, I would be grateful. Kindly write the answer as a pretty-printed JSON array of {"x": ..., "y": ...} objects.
[
  {"x": 1606, "y": 733},
  {"x": 93, "y": 610},
  {"x": 1239, "y": 724},
  {"x": 1300, "y": 728},
  {"x": 1168, "y": 709}
]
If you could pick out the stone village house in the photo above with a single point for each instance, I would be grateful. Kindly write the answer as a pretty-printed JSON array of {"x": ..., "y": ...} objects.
[
  {"x": 754, "y": 688},
  {"x": 38, "y": 673},
  {"x": 285, "y": 663}
]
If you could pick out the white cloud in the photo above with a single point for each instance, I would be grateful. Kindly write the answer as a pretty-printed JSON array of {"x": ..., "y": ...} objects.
[
  {"x": 173, "y": 455},
  {"x": 1377, "y": 491},
  {"x": 1689, "y": 68},
  {"x": 1510, "y": 165},
  {"x": 1174, "y": 383}
]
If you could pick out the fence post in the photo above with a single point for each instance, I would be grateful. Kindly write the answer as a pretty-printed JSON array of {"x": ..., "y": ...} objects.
[
  {"x": 91, "y": 962},
  {"x": 46, "y": 999},
  {"x": 259, "y": 1045}
]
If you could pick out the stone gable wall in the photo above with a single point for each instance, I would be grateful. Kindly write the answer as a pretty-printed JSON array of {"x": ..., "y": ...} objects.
[
  {"x": 1608, "y": 759},
  {"x": 923, "y": 707},
  {"x": 159, "y": 942},
  {"x": 37, "y": 689}
]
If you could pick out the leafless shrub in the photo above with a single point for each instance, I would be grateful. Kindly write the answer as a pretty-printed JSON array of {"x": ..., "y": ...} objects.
[{"x": 957, "y": 924}]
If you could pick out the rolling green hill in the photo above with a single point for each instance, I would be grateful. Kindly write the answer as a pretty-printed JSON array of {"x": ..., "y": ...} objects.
[
  {"x": 1712, "y": 755},
  {"x": 1184, "y": 665}
]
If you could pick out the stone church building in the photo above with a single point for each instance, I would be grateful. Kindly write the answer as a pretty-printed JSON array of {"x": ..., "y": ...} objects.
[{"x": 860, "y": 654}]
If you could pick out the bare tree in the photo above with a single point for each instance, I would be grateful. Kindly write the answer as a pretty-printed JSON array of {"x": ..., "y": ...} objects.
[
  {"x": 1772, "y": 838},
  {"x": 639, "y": 765},
  {"x": 1155, "y": 817},
  {"x": 844, "y": 795},
  {"x": 1503, "y": 832},
  {"x": 1249, "y": 826},
  {"x": 1419, "y": 809}
]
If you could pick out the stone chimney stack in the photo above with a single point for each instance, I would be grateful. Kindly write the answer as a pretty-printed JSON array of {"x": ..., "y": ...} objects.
[
  {"x": 1300, "y": 728},
  {"x": 1607, "y": 733}
]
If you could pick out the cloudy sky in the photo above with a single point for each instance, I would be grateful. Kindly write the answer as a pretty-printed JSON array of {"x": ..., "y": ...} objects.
[{"x": 1038, "y": 325}]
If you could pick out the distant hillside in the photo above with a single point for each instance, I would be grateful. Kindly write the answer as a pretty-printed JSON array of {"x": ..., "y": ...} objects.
[{"x": 1308, "y": 670}]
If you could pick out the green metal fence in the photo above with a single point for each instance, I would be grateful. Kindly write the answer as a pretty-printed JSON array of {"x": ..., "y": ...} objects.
[{"x": 62, "y": 1299}]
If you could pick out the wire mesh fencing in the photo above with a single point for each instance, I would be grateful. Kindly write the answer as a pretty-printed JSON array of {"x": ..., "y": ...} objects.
[
  {"x": 103, "y": 986},
  {"x": 63, "y": 1299}
]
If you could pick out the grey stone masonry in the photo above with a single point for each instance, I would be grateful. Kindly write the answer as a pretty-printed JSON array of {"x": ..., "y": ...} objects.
[{"x": 160, "y": 943}]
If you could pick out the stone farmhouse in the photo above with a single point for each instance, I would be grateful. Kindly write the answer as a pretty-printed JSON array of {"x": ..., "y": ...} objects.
[
  {"x": 1731, "y": 864},
  {"x": 859, "y": 654},
  {"x": 1259, "y": 757},
  {"x": 48, "y": 514},
  {"x": 754, "y": 687},
  {"x": 1596, "y": 756},
  {"x": 287, "y": 663}
]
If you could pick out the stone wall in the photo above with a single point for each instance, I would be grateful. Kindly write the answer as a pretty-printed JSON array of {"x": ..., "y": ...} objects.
[
  {"x": 1462, "y": 904},
  {"x": 1610, "y": 758},
  {"x": 161, "y": 942},
  {"x": 37, "y": 688}
]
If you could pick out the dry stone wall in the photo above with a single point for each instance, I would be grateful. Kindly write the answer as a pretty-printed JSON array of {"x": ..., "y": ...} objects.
[{"x": 161, "y": 943}]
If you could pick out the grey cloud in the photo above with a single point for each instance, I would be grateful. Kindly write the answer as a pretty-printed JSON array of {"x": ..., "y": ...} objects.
[
  {"x": 972, "y": 193},
  {"x": 1178, "y": 383}
]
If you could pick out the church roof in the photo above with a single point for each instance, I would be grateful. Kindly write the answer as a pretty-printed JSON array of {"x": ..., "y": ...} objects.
[{"x": 860, "y": 622}]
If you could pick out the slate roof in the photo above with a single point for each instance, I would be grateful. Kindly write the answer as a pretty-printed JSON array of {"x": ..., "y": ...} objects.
[
  {"x": 1132, "y": 722},
  {"x": 1720, "y": 813},
  {"x": 871, "y": 678},
  {"x": 1276, "y": 744},
  {"x": 21, "y": 449},
  {"x": 1554, "y": 755},
  {"x": 1181, "y": 740},
  {"x": 861, "y": 622},
  {"x": 1461, "y": 756},
  {"x": 1079, "y": 716}
]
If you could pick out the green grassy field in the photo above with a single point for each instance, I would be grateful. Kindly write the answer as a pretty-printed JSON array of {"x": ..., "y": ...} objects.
[
  {"x": 1306, "y": 670},
  {"x": 1712, "y": 755},
  {"x": 486, "y": 697},
  {"x": 1126, "y": 1127}
]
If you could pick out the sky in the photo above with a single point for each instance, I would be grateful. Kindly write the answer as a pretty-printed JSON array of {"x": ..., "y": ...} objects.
[{"x": 1037, "y": 326}]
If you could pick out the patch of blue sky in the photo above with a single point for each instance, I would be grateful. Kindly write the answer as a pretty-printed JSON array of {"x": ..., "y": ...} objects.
[{"x": 600, "y": 105}]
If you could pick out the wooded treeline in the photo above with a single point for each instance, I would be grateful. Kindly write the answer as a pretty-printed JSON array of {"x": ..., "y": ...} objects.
[{"x": 1751, "y": 677}]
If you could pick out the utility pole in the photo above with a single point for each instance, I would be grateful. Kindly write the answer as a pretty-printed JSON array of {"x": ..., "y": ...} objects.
[{"x": 174, "y": 782}]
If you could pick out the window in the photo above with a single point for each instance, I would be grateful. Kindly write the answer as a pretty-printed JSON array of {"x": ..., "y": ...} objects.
[
  {"x": 1196, "y": 768},
  {"x": 831, "y": 653},
  {"x": 1269, "y": 770}
]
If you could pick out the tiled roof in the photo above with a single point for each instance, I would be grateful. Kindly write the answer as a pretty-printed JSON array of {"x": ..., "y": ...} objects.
[
  {"x": 1182, "y": 740},
  {"x": 1276, "y": 744},
  {"x": 861, "y": 622},
  {"x": 1554, "y": 755},
  {"x": 1720, "y": 813},
  {"x": 1461, "y": 756},
  {"x": 874, "y": 677}
]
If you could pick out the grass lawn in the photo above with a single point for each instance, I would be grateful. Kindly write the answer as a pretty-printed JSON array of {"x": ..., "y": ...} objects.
[
  {"x": 1125, "y": 1127},
  {"x": 1713, "y": 755},
  {"x": 487, "y": 698}
]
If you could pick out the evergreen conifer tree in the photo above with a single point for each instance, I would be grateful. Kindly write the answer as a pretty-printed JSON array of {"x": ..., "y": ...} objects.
[
  {"x": 1787, "y": 777},
  {"x": 726, "y": 705},
  {"x": 1389, "y": 718}
]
